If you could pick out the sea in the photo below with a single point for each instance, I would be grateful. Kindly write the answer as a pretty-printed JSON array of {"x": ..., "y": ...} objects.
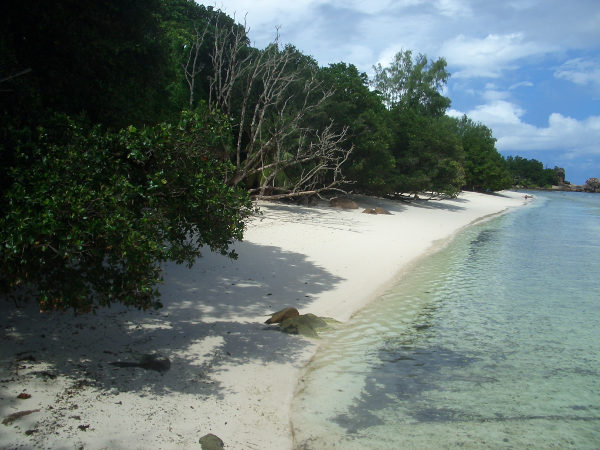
[{"x": 491, "y": 342}]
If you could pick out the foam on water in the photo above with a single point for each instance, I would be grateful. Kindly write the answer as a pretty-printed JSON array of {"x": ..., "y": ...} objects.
[{"x": 492, "y": 342}]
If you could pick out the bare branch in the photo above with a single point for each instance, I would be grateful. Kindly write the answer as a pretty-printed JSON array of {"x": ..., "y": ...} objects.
[
  {"x": 192, "y": 68},
  {"x": 273, "y": 98}
]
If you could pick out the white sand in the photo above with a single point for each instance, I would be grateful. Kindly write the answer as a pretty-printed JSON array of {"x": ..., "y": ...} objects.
[{"x": 230, "y": 374}]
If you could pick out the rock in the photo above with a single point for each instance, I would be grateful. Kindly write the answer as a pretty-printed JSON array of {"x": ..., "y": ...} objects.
[
  {"x": 280, "y": 316},
  {"x": 211, "y": 442},
  {"x": 155, "y": 362},
  {"x": 560, "y": 174},
  {"x": 305, "y": 325},
  {"x": 380, "y": 210},
  {"x": 377, "y": 210},
  {"x": 308, "y": 201},
  {"x": 344, "y": 203},
  {"x": 149, "y": 362},
  {"x": 592, "y": 185}
]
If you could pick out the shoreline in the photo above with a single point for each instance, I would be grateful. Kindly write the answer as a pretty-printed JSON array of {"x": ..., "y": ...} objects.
[{"x": 230, "y": 374}]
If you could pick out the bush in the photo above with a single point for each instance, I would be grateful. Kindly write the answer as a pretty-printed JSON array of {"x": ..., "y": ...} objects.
[{"x": 89, "y": 215}]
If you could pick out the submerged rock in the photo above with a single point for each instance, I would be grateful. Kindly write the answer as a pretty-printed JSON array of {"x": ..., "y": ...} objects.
[{"x": 305, "y": 325}]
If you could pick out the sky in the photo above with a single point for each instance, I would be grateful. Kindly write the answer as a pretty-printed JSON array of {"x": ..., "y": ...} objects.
[{"x": 527, "y": 69}]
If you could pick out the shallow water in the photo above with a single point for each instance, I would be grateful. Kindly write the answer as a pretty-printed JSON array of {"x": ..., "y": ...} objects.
[{"x": 493, "y": 342}]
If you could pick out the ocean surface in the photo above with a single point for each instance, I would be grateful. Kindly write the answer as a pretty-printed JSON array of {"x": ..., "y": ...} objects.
[{"x": 492, "y": 342}]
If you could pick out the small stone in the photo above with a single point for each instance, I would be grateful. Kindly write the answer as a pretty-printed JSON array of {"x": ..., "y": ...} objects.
[
  {"x": 211, "y": 442},
  {"x": 23, "y": 396},
  {"x": 380, "y": 210},
  {"x": 155, "y": 362}
]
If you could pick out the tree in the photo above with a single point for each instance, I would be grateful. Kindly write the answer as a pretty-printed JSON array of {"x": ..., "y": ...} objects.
[
  {"x": 105, "y": 59},
  {"x": 270, "y": 93},
  {"x": 189, "y": 29},
  {"x": 530, "y": 172},
  {"x": 90, "y": 214},
  {"x": 353, "y": 105},
  {"x": 485, "y": 169},
  {"x": 413, "y": 83},
  {"x": 428, "y": 154}
]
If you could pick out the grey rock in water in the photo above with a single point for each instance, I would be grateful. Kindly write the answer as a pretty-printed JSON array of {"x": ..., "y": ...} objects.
[
  {"x": 211, "y": 442},
  {"x": 305, "y": 325}
]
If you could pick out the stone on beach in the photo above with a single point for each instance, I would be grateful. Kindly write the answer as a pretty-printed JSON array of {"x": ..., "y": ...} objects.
[
  {"x": 283, "y": 314},
  {"x": 344, "y": 203},
  {"x": 211, "y": 442}
]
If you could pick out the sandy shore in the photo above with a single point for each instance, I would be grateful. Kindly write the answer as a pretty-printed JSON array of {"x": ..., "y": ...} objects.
[{"x": 230, "y": 374}]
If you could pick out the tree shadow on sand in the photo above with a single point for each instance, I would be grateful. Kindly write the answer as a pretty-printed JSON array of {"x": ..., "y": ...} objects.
[{"x": 199, "y": 329}]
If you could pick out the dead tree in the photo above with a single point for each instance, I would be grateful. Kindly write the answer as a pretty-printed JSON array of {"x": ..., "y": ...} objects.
[
  {"x": 272, "y": 100},
  {"x": 193, "y": 67}
]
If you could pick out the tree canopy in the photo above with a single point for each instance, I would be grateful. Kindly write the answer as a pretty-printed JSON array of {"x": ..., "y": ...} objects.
[
  {"x": 531, "y": 172},
  {"x": 134, "y": 132}
]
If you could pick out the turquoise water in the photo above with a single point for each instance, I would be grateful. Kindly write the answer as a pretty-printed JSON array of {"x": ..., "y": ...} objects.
[{"x": 493, "y": 342}]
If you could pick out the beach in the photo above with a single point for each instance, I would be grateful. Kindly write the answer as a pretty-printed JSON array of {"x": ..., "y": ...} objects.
[{"x": 230, "y": 374}]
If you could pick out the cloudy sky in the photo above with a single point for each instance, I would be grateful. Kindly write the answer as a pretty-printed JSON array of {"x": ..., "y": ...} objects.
[{"x": 528, "y": 69}]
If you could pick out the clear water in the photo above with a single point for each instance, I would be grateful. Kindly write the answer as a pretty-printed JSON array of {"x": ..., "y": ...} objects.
[{"x": 493, "y": 342}]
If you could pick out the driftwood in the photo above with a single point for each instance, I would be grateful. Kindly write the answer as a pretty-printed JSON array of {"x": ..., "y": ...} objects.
[{"x": 17, "y": 415}]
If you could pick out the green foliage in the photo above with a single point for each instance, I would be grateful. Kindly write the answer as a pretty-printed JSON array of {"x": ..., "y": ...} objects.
[
  {"x": 89, "y": 215},
  {"x": 485, "y": 169},
  {"x": 413, "y": 83},
  {"x": 182, "y": 22},
  {"x": 531, "y": 172},
  {"x": 355, "y": 106},
  {"x": 428, "y": 154},
  {"x": 106, "y": 59}
]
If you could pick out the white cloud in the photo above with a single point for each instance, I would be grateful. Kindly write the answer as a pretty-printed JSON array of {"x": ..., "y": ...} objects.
[
  {"x": 563, "y": 133},
  {"x": 454, "y": 8},
  {"x": 580, "y": 71},
  {"x": 520, "y": 84},
  {"x": 488, "y": 56}
]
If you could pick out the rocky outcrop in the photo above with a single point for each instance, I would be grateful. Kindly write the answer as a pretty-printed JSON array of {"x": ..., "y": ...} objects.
[{"x": 592, "y": 185}]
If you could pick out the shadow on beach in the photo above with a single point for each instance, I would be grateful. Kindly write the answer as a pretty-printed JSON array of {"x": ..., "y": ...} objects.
[{"x": 213, "y": 317}]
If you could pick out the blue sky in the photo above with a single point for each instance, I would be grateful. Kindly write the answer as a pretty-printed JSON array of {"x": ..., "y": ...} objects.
[{"x": 528, "y": 69}]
